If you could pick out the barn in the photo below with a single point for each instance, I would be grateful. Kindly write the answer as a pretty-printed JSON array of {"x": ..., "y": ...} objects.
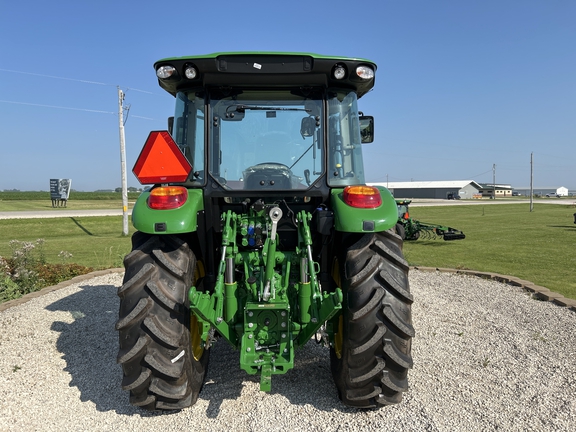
[{"x": 465, "y": 189}]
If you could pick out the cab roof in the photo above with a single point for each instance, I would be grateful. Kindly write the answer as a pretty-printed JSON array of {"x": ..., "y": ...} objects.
[{"x": 258, "y": 69}]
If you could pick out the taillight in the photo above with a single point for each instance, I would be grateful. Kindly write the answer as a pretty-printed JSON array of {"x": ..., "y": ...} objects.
[
  {"x": 362, "y": 196},
  {"x": 167, "y": 197}
]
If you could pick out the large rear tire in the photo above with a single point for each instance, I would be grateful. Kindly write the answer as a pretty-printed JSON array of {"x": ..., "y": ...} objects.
[
  {"x": 372, "y": 350},
  {"x": 161, "y": 369}
]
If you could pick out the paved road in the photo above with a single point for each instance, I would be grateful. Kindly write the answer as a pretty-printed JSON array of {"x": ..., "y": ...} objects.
[
  {"x": 422, "y": 202},
  {"x": 418, "y": 202},
  {"x": 59, "y": 213}
]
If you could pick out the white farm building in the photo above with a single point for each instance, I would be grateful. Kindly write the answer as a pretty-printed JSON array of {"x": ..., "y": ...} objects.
[{"x": 465, "y": 189}]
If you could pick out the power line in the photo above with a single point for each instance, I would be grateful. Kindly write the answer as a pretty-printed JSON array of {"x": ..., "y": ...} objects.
[
  {"x": 73, "y": 109},
  {"x": 59, "y": 107},
  {"x": 478, "y": 175},
  {"x": 141, "y": 91},
  {"x": 73, "y": 79},
  {"x": 145, "y": 118},
  {"x": 56, "y": 77}
]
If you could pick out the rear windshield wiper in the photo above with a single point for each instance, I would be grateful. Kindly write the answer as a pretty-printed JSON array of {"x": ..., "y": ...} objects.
[{"x": 243, "y": 108}]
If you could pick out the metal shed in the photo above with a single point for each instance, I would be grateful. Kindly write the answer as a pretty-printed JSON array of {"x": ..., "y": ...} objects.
[{"x": 465, "y": 189}]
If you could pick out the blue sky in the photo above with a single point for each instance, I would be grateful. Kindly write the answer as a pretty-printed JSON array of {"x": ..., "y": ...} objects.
[{"x": 461, "y": 85}]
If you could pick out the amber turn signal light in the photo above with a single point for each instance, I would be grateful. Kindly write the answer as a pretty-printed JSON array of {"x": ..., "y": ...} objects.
[
  {"x": 167, "y": 197},
  {"x": 362, "y": 196}
]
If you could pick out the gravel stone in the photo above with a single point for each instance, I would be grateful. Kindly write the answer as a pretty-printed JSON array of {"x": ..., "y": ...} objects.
[{"x": 486, "y": 356}]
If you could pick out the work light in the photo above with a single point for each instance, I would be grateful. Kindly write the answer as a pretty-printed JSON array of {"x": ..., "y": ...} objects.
[
  {"x": 190, "y": 71},
  {"x": 164, "y": 72},
  {"x": 339, "y": 72},
  {"x": 365, "y": 72}
]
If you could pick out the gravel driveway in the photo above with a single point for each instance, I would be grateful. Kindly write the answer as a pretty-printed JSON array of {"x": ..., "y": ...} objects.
[{"x": 486, "y": 356}]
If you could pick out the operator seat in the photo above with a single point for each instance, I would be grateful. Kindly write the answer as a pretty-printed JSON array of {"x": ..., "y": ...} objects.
[{"x": 266, "y": 176}]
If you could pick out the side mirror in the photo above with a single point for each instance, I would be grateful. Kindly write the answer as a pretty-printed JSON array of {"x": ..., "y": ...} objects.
[
  {"x": 307, "y": 127},
  {"x": 170, "y": 125},
  {"x": 367, "y": 129}
]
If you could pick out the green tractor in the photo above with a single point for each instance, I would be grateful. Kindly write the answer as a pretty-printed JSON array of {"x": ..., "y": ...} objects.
[{"x": 259, "y": 229}]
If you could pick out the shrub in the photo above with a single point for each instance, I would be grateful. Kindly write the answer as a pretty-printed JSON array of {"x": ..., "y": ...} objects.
[
  {"x": 27, "y": 270},
  {"x": 52, "y": 274}
]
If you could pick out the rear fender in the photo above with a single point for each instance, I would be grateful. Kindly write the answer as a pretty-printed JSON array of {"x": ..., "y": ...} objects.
[
  {"x": 359, "y": 220},
  {"x": 176, "y": 221}
]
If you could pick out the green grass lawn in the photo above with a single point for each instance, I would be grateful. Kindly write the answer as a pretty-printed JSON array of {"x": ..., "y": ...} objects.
[
  {"x": 29, "y": 205},
  {"x": 538, "y": 246},
  {"x": 26, "y": 201},
  {"x": 93, "y": 241}
]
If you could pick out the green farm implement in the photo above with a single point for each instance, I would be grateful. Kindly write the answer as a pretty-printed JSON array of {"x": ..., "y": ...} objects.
[{"x": 411, "y": 229}]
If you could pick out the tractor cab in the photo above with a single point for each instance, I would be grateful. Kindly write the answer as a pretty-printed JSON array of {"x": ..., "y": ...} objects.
[
  {"x": 285, "y": 123},
  {"x": 403, "y": 212}
]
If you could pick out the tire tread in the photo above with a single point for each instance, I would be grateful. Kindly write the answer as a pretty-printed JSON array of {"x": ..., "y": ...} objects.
[
  {"x": 153, "y": 325},
  {"x": 372, "y": 368}
]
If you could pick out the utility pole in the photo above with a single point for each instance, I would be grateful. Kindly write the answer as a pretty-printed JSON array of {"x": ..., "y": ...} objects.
[
  {"x": 532, "y": 181},
  {"x": 123, "y": 163},
  {"x": 493, "y": 181}
]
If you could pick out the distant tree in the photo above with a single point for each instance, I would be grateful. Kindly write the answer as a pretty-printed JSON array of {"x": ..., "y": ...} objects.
[
  {"x": 118, "y": 189},
  {"x": 132, "y": 189}
]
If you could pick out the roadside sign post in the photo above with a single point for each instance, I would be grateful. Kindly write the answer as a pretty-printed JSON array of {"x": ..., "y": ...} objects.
[{"x": 60, "y": 191}]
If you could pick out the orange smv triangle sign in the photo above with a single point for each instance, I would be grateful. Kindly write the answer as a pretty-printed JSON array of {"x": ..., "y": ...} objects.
[{"x": 161, "y": 161}]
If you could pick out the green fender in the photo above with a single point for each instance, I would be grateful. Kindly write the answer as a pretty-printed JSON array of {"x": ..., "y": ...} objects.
[
  {"x": 351, "y": 219},
  {"x": 175, "y": 221}
]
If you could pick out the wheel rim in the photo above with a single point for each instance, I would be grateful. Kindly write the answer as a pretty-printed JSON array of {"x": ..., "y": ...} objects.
[
  {"x": 196, "y": 327},
  {"x": 339, "y": 337},
  {"x": 199, "y": 271},
  {"x": 196, "y": 338},
  {"x": 339, "y": 334}
]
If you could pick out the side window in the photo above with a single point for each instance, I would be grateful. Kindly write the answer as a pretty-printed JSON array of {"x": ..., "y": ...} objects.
[
  {"x": 180, "y": 119},
  {"x": 198, "y": 159},
  {"x": 188, "y": 129},
  {"x": 344, "y": 142}
]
